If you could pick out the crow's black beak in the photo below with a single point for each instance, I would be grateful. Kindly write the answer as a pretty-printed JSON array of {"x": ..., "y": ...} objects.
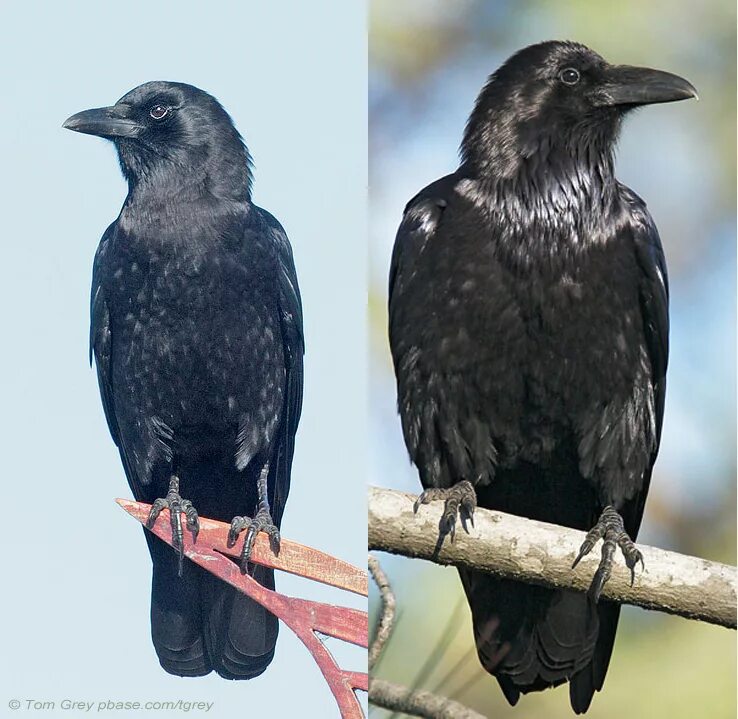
[
  {"x": 110, "y": 122},
  {"x": 626, "y": 85}
]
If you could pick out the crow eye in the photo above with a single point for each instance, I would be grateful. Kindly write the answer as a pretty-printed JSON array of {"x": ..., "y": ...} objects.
[
  {"x": 569, "y": 76},
  {"x": 159, "y": 112}
]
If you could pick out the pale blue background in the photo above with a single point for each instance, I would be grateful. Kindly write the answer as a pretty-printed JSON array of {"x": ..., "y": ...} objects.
[{"x": 76, "y": 572}]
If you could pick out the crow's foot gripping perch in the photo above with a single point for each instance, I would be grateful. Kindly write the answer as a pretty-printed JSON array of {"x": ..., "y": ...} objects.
[
  {"x": 262, "y": 522},
  {"x": 177, "y": 507},
  {"x": 310, "y": 620},
  {"x": 460, "y": 501},
  {"x": 611, "y": 530}
]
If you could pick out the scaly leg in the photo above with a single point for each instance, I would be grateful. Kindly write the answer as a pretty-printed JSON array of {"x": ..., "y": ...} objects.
[
  {"x": 262, "y": 522},
  {"x": 461, "y": 500},
  {"x": 611, "y": 530},
  {"x": 177, "y": 507}
]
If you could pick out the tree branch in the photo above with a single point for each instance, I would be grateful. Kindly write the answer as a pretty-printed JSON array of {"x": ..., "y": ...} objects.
[
  {"x": 418, "y": 702},
  {"x": 540, "y": 553},
  {"x": 387, "y": 615}
]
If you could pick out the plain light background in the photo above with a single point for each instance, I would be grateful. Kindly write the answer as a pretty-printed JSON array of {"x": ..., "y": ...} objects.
[{"x": 76, "y": 571}]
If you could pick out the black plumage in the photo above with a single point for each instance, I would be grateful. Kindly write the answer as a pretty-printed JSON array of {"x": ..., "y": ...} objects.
[
  {"x": 528, "y": 321},
  {"x": 196, "y": 330}
]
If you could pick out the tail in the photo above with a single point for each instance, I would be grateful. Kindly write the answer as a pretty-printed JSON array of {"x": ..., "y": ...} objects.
[
  {"x": 201, "y": 624},
  {"x": 239, "y": 633},
  {"x": 532, "y": 638}
]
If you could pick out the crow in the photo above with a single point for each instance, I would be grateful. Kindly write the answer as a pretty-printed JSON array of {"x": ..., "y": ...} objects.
[
  {"x": 528, "y": 324},
  {"x": 196, "y": 332}
]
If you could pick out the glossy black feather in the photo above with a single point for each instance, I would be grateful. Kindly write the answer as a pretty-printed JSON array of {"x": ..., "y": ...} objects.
[
  {"x": 196, "y": 330},
  {"x": 528, "y": 322}
]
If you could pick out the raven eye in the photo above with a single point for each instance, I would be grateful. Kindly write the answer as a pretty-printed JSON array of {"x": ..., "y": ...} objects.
[
  {"x": 159, "y": 112},
  {"x": 569, "y": 76}
]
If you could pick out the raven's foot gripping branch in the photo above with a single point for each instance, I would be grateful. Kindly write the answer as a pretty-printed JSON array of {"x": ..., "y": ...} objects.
[
  {"x": 611, "y": 530},
  {"x": 460, "y": 501},
  {"x": 538, "y": 553},
  {"x": 177, "y": 507}
]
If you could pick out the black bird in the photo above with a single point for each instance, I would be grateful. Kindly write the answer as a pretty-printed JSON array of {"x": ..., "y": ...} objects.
[
  {"x": 196, "y": 330},
  {"x": 528, "y": 321}
]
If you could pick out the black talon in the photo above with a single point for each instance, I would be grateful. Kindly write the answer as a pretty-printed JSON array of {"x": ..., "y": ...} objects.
[
  {"x": 262, "y": 522},
  {"x": 177, "y": 507},
  {"x": 460, "y": 501},
  {"x": 611, "y": 530}
]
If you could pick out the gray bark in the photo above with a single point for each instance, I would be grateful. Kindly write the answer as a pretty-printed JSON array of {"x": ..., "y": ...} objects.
[{"x": 540, "y": 553}]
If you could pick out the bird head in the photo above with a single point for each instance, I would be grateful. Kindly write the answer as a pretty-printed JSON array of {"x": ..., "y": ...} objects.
[
  {"x": 167, "y": 132},
  {"x": 558, "y": 96}
]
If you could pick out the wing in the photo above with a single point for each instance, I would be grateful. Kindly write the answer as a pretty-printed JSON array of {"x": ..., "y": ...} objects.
[
  {"x": 420, "y": 224},
  {"x": 290, "y": 307},
  {"x": 101, "y": 338},
  {"x": 654, "y": 300},
  {"x": 101, "y": 348},
  {"x": 420, "y": 220}
]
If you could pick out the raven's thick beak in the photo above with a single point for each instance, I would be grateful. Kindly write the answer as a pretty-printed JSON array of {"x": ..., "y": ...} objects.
[
  {"x": 626, "y": 85},
  {"x": 110, "y": 122}
]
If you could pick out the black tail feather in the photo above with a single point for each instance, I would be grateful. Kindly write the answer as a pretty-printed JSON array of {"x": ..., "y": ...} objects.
[
  {"x": 201, "y": 624},
  {"x": 541, "y": 637}
]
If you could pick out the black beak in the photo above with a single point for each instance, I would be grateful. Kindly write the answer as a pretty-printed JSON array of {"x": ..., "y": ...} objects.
[
  {"x": 626, "y": 85},
  {"x": 110, "y": 122}
]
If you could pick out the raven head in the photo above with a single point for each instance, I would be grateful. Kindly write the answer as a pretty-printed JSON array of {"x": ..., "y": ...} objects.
[
  {"x": 558, "y": 97},
  {"x": 173, "y": 133}
]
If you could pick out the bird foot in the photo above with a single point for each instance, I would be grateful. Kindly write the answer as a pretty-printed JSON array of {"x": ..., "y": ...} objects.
[
  {"x": 177, "y": 507},
  {"x": 611, "y": 530},
  {"x": 461, "y": 501},
  {"x": 262, "y": 522}
]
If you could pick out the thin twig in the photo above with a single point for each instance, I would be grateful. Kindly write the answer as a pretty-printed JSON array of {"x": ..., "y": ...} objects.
[
  {"x": 387, "y": 614},
  {"x": 386, "y": 695},
  {"x": 417, "y": 703}
]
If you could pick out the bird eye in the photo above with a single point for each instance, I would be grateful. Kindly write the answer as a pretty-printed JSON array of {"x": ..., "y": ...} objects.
[
  {"x": 569, "y": 76},
  {"x": 159, "y": 112}
]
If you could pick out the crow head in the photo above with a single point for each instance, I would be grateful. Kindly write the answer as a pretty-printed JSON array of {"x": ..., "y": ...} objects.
[
  {"x": 170, "y": 135},
  {"x": 556, "y": 100}
]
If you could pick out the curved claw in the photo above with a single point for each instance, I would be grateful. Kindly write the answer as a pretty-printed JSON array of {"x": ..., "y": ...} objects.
[
  {"x": 460, "y": 501},
  {"x": 468, "y": 505},
  {"x": 238, "y": 524},
  {"x": 248, "y": 544},
  {"x": 610, "y": 529},
  {"x": 447, "y": 525},
  {"x": 426, "y": 497},
  {"x": 584, "y": 550},
  {"x": 177, "y": 507},
  {"x": 156, "y": 508},
  {"x": 631, "y": 561},
  {"x": 262, "y": 522}
]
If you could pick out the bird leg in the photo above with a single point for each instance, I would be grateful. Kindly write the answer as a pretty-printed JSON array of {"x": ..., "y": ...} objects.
[
  {"x": 611, "y": 530},
  {"x": 177, "y": 507},
  {"x": 261, "y": 522},
  {"x": 461, "y": 500}
]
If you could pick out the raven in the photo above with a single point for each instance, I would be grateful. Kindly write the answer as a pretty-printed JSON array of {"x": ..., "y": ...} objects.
[
  {"x": 528, "y": 323},
  {"x": 196, "y": 331}
]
